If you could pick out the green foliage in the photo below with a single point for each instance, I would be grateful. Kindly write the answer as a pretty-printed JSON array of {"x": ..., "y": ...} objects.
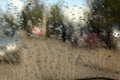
[
  {"x": 104, "y": 14},
  {"x": 24, "y": 20},
  {"x": 8, "y": 19},
  {"x": 54, "y": 19},
  {"x": 109, "y": 9},
  {"x": 56, "y": 14},
  {"x": 33, "y": 11},
  {"x": 57, "y": 20}
]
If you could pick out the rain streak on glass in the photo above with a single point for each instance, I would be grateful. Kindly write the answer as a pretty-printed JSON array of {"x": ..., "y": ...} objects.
[{"x": 81, "y": 23}]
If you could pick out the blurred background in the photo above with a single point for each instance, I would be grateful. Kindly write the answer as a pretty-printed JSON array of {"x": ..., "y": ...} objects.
[
  {"x": 67, "y": 20},
  {"x": 59, "y": 39}
]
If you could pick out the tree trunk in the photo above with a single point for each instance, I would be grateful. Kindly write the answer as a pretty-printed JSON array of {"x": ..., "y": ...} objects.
[{"x": 44, "y": 25}]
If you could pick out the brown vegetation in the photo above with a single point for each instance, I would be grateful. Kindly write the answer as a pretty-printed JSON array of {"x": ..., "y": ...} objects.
[{"x": 48, "y": 59}]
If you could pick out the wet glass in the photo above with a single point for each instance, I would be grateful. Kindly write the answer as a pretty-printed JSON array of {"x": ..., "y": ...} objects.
[{"x": 80, "y": 23}]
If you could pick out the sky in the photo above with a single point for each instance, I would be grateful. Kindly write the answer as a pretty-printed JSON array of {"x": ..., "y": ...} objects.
[
  {"x": 70, "y": 6},
  {"x": 3, "y": 4},
  {"x": 19, "y": 3},
  {"x": 69, "y": 2}
]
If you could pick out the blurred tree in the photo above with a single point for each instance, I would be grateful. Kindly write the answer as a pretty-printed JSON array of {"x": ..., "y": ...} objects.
[
  {"x": 107, "y": 10},
  {"x": 104, "y": 13},
  {"x": 9, "y": 19},
  {"x": 33, "y": 11},
  {"x": 56, "y": 20}
]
